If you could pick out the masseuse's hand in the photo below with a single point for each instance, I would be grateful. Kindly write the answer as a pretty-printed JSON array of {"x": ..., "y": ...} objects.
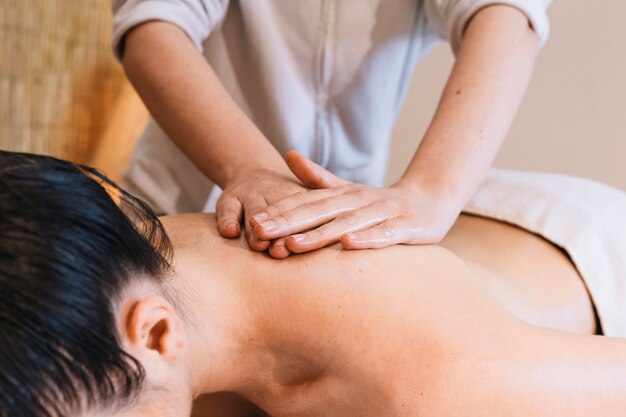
[
  {"x": 248, "y": 194},
  {"x": 359, "y": 216}
]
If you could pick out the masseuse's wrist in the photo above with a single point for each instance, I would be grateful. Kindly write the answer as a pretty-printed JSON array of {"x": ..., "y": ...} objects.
[
  {"x": 446, "y": 197},
  {"x": 254, "y": 170},
  {"x": 256, "y": 158}
]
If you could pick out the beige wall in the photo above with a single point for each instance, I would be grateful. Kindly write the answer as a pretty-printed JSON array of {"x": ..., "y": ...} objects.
[{"x": 573, "y": 119}]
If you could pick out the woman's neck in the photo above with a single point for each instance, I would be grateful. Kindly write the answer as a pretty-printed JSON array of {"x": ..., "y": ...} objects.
[{"x": 247, "y": 330}]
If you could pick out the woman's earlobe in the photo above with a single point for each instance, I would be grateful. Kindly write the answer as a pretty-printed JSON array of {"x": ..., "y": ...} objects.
[{"x": 153, "y": 328}]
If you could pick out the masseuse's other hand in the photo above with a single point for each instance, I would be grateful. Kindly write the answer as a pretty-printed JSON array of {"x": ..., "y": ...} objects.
[
  {"x": 359, "y": 216},
  {"x": 248, "y": 194}
]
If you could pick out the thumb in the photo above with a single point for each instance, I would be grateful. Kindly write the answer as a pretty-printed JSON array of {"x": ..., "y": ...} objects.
[
  {"x": 229, "y": 211},
  {"x": 311, "y": 174}
]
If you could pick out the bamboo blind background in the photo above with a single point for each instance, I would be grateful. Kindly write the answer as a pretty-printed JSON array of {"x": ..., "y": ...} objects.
[{"x": 58, "y": 78}]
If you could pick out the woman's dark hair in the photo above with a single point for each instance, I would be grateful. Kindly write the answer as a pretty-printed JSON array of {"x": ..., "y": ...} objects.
[{"x": 67, "y": 252}]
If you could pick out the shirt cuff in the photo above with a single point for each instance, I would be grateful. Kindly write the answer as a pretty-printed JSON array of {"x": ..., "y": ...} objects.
[
  {"x": 450, "y": 18},
  {"x": 190, "y": 16}
]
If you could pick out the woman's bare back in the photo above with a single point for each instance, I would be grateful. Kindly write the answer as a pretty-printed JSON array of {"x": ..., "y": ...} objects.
[{"x": 391, "y": 306}]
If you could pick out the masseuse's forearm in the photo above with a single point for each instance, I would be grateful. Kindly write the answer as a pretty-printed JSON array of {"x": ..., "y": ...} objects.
[
  {"x": 485, "y": 88},
  {"x": 189, "y": 102}
]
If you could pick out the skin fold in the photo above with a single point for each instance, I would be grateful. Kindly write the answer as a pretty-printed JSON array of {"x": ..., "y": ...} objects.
[{"x": 495, "y": 321}]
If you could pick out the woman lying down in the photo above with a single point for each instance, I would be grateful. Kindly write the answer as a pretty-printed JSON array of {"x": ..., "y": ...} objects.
[{"x": 100, "y": 316}]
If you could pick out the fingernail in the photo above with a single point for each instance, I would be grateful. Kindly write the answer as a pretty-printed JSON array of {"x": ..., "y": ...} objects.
[
  {"x": 351, "y": 236},
  {"x": 267, "y": 225},
  {"x": 298, "y": 238},
  {"x": 258, "y": 245},
  {"x": 259, "y": 217}
]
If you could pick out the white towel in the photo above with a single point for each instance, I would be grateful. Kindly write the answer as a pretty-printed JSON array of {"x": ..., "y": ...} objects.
[{"x": 584, "y": 217}]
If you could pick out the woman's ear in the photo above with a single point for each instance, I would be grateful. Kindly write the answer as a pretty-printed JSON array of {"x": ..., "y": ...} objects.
[{"x": 153, "y": 329}]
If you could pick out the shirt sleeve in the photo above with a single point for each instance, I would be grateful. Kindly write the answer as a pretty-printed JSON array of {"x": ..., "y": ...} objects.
[
  {"x": 198, "y": 18},
  {"x": 449, "y": 18}
]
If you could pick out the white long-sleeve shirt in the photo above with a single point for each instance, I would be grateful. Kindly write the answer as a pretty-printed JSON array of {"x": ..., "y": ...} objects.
[{"x": 324, "y": 77}]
